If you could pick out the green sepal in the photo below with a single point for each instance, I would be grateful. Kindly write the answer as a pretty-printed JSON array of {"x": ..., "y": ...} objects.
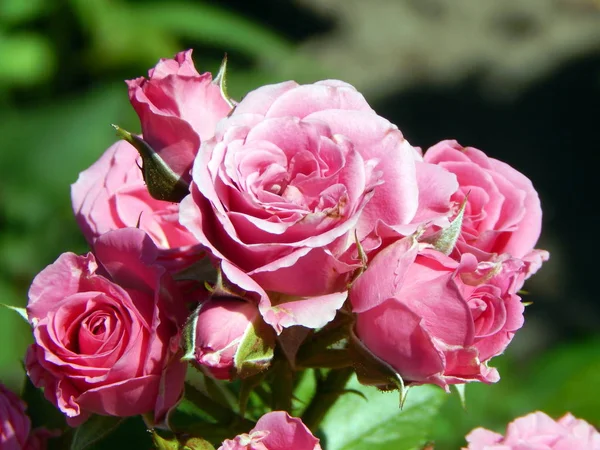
[
  {"x": 188, "y": 337},
  {"x": 20, "y": 311},
  {"x": 161, "y": 443},
  {"x": 372, "y": 371},
  {"x": 445, "y": 240},
  {"x": 162, "y": 183},
  {"x": 195, "y": 443},
  {"x": 362, "y": 256},
  {"x": 180, "y": 443},
  {"x": 460, "y": 390},
  {"x": 221, "y": 81},
  {"x": 256, "y": 349}
]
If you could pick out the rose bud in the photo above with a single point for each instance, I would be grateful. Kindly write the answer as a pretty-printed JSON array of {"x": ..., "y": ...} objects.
[
  {"x": 435, "y": 320},
  {"x": 227, "y": 337},
  {"x": 276, "y": 430},
  {"x": 538, "y": 431},
  {"x": 178, "y": 109}
]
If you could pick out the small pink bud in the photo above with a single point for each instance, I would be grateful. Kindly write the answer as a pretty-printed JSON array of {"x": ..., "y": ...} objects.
[{"x": 227, "y": 334}]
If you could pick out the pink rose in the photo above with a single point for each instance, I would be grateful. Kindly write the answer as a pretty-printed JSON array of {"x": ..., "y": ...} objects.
[
  {"x": 433, "y": 319},
  {"x": 276, "y": 430},
  {"x": 178, "y": 109},
  {"x": 291, "y": 175},
  {"x": 14, "y": 423},
  {"x": 537, "y": 431},
  {"x": 221, "y": 324},
  {"x": 111, "y": 194},
  {"x": 502, "y": 213},
  {"x": 15, "y": 426},
  {"x": 106, "y": 331}
]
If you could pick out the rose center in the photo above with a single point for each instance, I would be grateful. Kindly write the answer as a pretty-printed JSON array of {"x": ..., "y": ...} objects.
[
  {"x": 96, "y": 331},
  {"x": 98, "y": 325},
  {"x": 275, "y": 189}
]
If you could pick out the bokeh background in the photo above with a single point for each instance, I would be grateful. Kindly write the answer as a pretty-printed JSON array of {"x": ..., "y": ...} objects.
[{"x": 517, "y": 79}]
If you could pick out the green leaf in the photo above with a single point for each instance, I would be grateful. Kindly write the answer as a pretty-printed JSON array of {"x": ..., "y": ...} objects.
[
  {"x": 18, "y": 11},
  {"x": 94, "y": 430},
  {"x": 304, "y": 391},
  {"x": 379, "y": 424},
  {"x": 27, "y": 59},
  {"x": 563, "y": 379}
]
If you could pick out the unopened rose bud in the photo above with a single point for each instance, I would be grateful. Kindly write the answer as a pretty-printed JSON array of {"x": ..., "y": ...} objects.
[
  {"x": 179, "y": 109},
  {"x": 228, "y": 337}
]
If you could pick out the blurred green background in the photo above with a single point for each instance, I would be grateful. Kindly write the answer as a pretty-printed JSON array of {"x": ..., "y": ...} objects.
[{"x": 520, "y": 80}]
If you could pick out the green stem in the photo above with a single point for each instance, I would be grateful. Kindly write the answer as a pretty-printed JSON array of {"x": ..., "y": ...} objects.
[
  {"x": 282, "y": 386},
  {"x": 328, "y": 391}
]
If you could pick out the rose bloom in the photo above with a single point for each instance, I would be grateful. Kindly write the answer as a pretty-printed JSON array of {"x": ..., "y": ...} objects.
[
  {"x": 15, "y": 426},
  {"x": 111, "y": 194},
  {"x": 537, "y": 431},
  {"x": 178, "y": 109},
  {"x": 290, "y": 177},
  {"x": 433, "y": 319},
  {"x": 502, "y": 212},
  {"x": 106, "y": 331},
  {"x": 276, "y": 430}
]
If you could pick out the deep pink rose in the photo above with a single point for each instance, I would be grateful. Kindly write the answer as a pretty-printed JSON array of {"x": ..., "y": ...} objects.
[
  {"x": 220, "y": 326},
  {"x": 276, "y": 430},
  {"x": 15, "y": 426},
  {"x": 537, "y": 431},
  {"x": 106, "y": 331},
  {"x": 178, "y": 109},
  {"x": 433, "y": 319},
  {"x": 290, "y": 177},
  {"x": 111, "y": 194},
  {"x": 502, "y": 213}
]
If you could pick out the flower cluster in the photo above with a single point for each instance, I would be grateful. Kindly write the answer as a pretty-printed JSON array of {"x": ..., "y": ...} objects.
[{"x": 284, "y": 211}]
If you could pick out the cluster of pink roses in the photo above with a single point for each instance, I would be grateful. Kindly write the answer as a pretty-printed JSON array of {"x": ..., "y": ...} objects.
[{"x": 298, "y": 202}]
